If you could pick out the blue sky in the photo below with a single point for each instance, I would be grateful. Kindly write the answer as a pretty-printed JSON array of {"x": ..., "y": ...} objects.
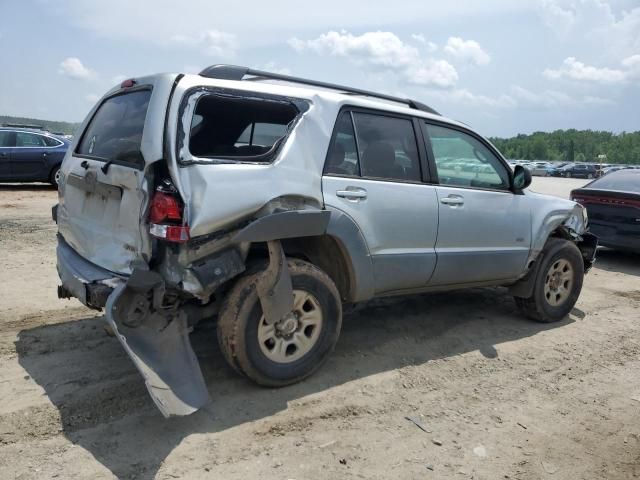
[{"x": 502, "y": 66}]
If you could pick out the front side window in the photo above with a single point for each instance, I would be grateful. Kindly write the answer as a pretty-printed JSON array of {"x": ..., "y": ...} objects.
[
  {"x": 462, "y": 160},
  {"x": 240, "y": 128},
  {"x": 115, "y": 131},
  {"x": 25, "y": 139},
  {"x": 7, "y": 139}
]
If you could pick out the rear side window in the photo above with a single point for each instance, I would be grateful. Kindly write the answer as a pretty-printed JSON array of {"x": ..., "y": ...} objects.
[
  {"x": 115, "y": 131},
  {"x": 24, "y": 139},
  {"x": 388, "y": 147},
  {"x": 374, "y": 146},
  {"x": 52, "y": 142},
  {"x": 343, "y": 152},
  {"x": 240, "y": 128}
]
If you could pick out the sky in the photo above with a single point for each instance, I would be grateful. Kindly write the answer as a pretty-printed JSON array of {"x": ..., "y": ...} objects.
[{"x": 502, "y": 66}]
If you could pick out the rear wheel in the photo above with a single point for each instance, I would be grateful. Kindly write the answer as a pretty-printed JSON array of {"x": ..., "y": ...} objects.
[
  {"x": 558, "y": 283},
  {"x": 567, "y": 175},
  {"x": 294, "y": 347},
  {"x": 54, "y": 176},
  {"x": 589, "y": 175}
]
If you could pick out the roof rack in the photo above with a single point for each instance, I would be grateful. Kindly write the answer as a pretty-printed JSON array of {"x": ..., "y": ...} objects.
[{"x": 234, "y": 72}]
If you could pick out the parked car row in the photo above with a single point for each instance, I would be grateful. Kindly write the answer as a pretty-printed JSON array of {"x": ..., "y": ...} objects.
[{"x": 569, "y": 169}]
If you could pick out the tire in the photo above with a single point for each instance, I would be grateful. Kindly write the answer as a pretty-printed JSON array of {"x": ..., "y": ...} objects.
[
  {"x": 241, "y": 324},
  {"x": 589, "y": 176},
  {"x": 54, "y": 176},
  {"x": 567, "y": 175},
  {"x": 562, "y": 265}
]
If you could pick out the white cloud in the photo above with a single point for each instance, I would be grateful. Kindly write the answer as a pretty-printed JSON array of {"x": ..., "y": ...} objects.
[
  {"x": 420, "y": 38},
  {"x": 468, "y": 50},
  {"x": 576, "y": 70},
  {"x": 595, "y": 20},
  {"x": 382, "y": 50},
  {"x": 73, "y": 67},
  {"x": 212, "y": 42}
]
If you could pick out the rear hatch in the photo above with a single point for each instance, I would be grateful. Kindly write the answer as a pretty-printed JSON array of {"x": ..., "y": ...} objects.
[{"x": 106, "y": 176}]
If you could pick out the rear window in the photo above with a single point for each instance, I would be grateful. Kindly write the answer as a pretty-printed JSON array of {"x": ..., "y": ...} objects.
[
  {"x": 239, "y": 128},
  {"x": 622, "y": 180},
  {"x": 115, "y": 131}
]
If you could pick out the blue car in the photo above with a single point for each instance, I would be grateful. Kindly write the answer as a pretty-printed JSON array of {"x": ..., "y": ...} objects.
[{"x": 30, "y": 155}]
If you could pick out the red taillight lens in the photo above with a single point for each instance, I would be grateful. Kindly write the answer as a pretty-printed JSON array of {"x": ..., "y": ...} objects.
[{"x": 164, "y": 207}]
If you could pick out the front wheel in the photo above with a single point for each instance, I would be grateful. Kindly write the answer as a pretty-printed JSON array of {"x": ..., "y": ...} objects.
[
  {"x": 558, "y": 283},
  {"x": 589, "y": 175},
  {"x": 567, "y": 175},
  {"x": 291, "y": 349}
]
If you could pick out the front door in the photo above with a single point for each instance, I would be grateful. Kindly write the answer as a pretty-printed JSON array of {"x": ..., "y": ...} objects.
[
  {"x": 7, "y": 141},
  {"x": 373, "y": 174},
  {"x": 484, "y": 232}
]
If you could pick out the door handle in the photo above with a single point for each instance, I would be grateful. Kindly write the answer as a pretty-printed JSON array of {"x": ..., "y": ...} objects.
[
  {"x": 44, "y": 155},
  {"x": 453, "y": 200},
  {"x": 358, "y": 194}
]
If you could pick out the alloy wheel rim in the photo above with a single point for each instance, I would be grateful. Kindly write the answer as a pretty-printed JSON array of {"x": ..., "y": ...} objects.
[
  {"x": 558, "y": 282},
  {"x": 56, "y": 177},
  {"x": 296, "y": 334}
]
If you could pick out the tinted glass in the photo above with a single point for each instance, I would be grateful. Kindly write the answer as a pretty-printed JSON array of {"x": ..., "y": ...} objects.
[
  {"x": 342, "y": 158},
  {"x": 461, "y": 160},
  {"x": 7, "y": 139},
  {"x": 623, "y": 180},
  {"x": 24, "y": 139},
  {"x": 51, "y": 142},
  {"x": 387, "y": 146},
  {"x": 115, "y": 131}
]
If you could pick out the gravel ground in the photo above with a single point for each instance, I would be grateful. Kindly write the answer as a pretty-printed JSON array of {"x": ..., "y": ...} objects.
[{"x": 496, "y": 396}]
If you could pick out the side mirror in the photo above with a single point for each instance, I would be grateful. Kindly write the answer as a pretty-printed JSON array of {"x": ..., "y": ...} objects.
[{"x": 521, "y": 178}]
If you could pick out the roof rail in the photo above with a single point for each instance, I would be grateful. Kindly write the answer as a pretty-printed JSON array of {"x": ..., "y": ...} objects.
[{"x": 234, "y": 72}]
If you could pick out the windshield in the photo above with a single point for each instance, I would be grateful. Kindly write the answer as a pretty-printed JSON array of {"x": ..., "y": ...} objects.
[{"x": 115, "y": 131}]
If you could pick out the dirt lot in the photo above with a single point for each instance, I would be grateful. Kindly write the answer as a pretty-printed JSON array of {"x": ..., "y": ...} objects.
[{"x": 498, "y": 396}]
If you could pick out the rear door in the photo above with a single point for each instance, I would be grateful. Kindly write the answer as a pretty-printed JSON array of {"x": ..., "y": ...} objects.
[
  {"x": 7, "y": 141},
  {"x": 106, "y": 179},
  {"x": 484, "y": 231},
  {"x": 29, "y": 156},
  {"x": 373, "y": 174}
]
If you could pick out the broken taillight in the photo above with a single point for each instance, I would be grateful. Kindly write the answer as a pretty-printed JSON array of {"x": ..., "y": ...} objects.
[{"x": 165, "y": 218}]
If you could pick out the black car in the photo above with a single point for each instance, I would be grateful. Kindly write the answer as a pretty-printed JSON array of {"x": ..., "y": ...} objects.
[
  {"x": 613, "y": 206},
  {"x": 30, "y": 155},
  {"x": 578, "y": 170}
]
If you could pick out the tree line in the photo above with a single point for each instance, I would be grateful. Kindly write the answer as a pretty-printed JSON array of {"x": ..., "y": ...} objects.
[
  {"x": 572, "y": 146},
  {"x": 67, "y": 128}
]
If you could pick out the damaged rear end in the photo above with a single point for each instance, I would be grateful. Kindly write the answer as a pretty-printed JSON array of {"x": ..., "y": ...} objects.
[
  {"x": 116, "y": 203},
  {"x": 149, "y": 216}
]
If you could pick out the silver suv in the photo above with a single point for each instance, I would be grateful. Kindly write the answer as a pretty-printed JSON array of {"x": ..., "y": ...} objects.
[{"x": 269, "y": 201}]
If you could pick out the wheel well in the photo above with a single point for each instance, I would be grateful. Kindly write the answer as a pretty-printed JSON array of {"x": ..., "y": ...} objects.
[{"x": 324, "y": 251}]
